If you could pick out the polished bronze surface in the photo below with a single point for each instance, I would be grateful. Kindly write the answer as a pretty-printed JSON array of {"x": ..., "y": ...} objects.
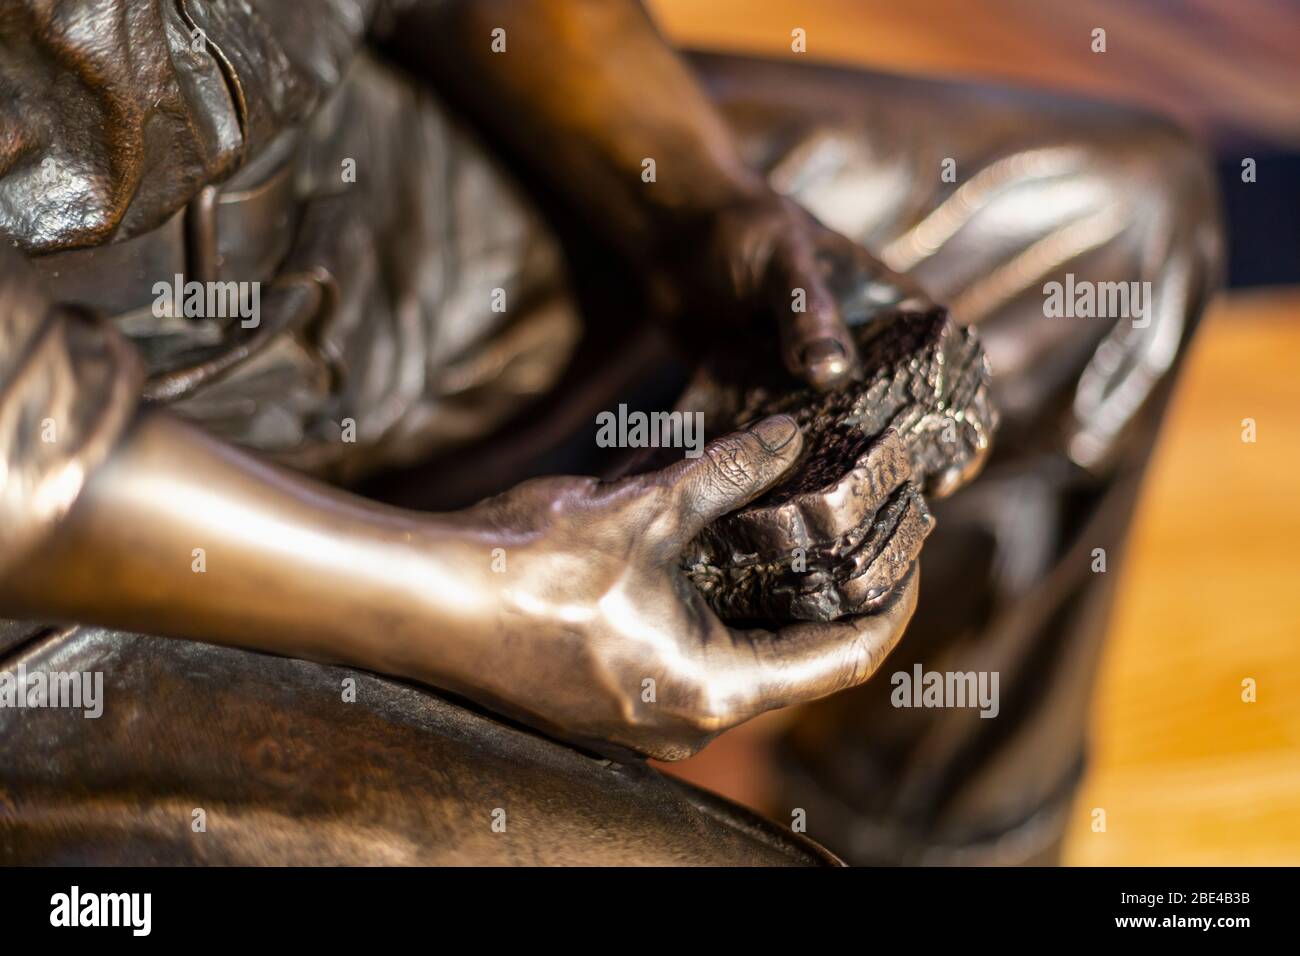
[
  {"x": 283, "y": 766},
  {"x": 560, "y": 602},
  {"x": 313, "y": 573}
]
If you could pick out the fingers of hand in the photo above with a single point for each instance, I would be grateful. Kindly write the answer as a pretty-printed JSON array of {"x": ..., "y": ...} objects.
[
  {"x": 803, "y": 662},
  {"x": 815, "y": 342},
  {"x": 732, "y": 471}
]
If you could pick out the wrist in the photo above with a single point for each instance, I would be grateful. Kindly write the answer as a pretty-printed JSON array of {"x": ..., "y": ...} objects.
[{"x": 453, "y": 569}]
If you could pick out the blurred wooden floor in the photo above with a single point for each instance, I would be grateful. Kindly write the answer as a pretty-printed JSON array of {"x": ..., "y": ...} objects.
[
  {"x": 1228, "y": 68},
  {"x": 1186, "y": 771}
]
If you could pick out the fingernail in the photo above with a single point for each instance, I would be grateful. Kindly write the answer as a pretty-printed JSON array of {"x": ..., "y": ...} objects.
[
  {"x": 776, "y": 432},
  {"x": 826, "y": 361}
]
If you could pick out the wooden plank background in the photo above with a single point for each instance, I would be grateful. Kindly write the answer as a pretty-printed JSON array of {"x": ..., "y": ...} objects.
[
  {"x": 1186, "y": 770},
  {"x": 1220, "y": 65}
]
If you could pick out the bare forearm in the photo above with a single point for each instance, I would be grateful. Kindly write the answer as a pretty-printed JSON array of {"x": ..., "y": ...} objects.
[
  {"x": 583, "y": 94},
  {"x": 181, "y": 535}
]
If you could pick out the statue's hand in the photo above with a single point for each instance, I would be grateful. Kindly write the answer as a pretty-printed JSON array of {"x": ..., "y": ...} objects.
[
  {"x": 768, "y": 259},
  {"x": 595, "y": 634}
]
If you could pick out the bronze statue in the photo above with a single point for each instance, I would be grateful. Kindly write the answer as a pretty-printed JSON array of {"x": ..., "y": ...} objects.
[{"x": 392, "y": 310}]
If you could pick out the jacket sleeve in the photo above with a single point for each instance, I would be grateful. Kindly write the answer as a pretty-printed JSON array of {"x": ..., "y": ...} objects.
[{"x": 68, "y": 387}]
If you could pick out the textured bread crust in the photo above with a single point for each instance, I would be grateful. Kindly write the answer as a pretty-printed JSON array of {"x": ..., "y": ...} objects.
[{"x": 845, "y": 527}]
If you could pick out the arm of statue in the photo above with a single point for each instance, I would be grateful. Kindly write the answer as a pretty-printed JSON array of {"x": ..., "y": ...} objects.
[
  {"x": 558, "y": 602},
  {"x": 582, "y": 94}
]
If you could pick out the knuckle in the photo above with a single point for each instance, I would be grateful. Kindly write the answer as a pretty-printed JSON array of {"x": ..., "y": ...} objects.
[
  {"x": 861, "y": 661},
  {"x": 659, "y": 512},
  {"x": 729, "y": 466},
  {"x": 666, "y": 738},
  {"x": 864, "y": 655},
  {"x": 709, "y": 713},
  {"x": 677, "y": 747}
]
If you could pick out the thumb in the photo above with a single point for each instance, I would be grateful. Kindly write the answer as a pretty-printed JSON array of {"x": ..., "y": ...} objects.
[{"x": 732, "y": 471}]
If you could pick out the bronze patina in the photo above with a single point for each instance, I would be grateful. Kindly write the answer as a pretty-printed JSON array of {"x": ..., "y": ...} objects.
[
  {"x": 473, "y": 226},
  {"x": 841, "y": 531}
]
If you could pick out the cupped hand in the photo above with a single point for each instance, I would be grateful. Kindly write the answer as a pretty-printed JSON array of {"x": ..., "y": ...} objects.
[{"x": 597, "y": 636}]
